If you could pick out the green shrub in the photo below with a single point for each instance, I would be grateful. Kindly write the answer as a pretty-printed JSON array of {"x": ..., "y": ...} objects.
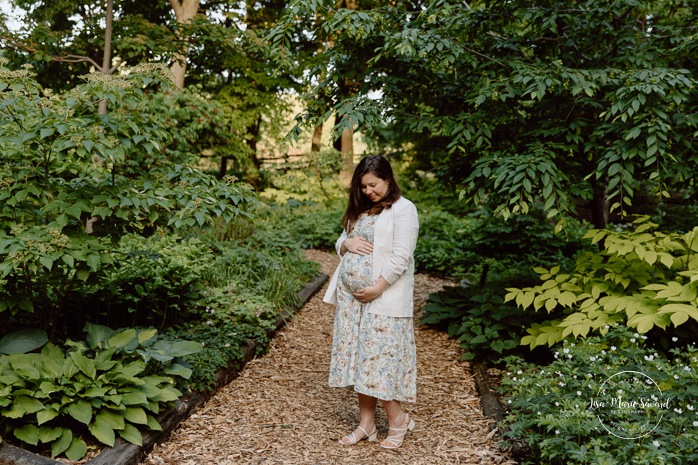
[
  {"x": 222, "y": 343},
  {"x": 152, "y": 280},
  {"x": 111, "y": 384},
  {"x": 551, "y": 414},
  {"x": 443, "y": 246},
  {"x": 476, "y": 315},
  {"x": 643, "y": 278},
  {"x": 72, "y": 181}
]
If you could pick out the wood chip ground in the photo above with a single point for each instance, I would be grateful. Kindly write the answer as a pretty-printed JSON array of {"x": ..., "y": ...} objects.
[{"x": 280, "y": 409}]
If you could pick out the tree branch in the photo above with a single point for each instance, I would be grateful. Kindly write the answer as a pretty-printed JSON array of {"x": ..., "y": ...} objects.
[{"x": 16, "y": 44}]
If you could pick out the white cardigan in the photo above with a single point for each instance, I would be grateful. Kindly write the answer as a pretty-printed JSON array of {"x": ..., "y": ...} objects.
[{"x": 395, "y": 239}]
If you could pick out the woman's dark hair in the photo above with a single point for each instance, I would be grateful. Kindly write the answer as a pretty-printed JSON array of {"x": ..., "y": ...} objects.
[{"x": 378, "y": 166}]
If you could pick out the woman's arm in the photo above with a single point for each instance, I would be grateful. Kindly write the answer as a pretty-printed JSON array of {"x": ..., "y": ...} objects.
[{"x": 406, "y": 230}]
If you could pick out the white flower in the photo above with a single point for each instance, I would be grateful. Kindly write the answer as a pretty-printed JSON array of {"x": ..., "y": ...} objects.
[
  {"x": 514, "y": 378},
  {"x": 675, "y": 339},
  {"x": 656, "y": 443},
  {"x": 689, "y": 407},
  {"x": 676, "y": 376},
  {"x": 636, "y": 335},
  {"x": 632, "y": 339},
  {"x": 227, "y": 344},
  {"x": 509, "y": 401},
  {"x": 566, "y": 350},
  {"x": 592, "y": 358},
  {"x": 557, "y": 404},
  {"x": 561, "y": 384},
  {"x": 613, "y": 347},
  {"x": 519, "y": 372},
  {"x": 538, "y": 413},
  {"x": 695, "y": 423},
  {"x": 557, "y": 431},
  {"x": 579, "y": 393},
  {"x": 678, "y": 410}
]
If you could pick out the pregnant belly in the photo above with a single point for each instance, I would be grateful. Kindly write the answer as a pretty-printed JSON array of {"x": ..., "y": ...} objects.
[{"x": 356, "y": 272}]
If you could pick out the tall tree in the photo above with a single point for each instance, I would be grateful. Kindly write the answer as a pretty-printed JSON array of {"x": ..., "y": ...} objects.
[
  {"x": 520, "y": 103},
  {"x": 185, "y": 11}
]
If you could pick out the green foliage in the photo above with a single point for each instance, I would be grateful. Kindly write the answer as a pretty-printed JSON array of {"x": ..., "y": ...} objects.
[
  {"x": 643, "y": 278},
  {"x": 73, "y": 180},
  {"x": 199, "y": 126},
  {"x": 550, "y": 411},
  {"x": 312, "y": 177},
  {"x": 484, "y": 325},
  {"x": 151, "y": 282},
  {"x": 275, "y": 274},
  {"x": 222, "y": 343},
  {"x": 111, "y": 384},
  {"x": 459, "y": 246},
  {"x": 307, "y": 224},
  {"x": 444, "y": 243},
  {"x": 516, "y": 103}
]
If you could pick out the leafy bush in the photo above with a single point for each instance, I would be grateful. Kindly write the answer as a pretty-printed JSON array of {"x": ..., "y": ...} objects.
[
  {"x": 443, "y": 246},
  {"x": 112, "y": 383},
  {"x": 644, "y": 279},
  {"x": 551, "y": 411},
  {"x": 485, "y": 327},
  {"x": 152, "y": 280},
  {"x": 73, "y": 180}
]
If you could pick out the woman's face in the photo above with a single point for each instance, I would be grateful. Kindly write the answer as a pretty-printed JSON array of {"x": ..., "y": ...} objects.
[{"x": 373, "y": 187}]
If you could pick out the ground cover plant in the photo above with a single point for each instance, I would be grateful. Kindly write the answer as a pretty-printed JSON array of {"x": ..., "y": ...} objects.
[{"x": 555, "y": 411}]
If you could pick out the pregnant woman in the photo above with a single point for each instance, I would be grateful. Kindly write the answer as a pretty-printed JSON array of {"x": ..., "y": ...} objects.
[{"x": 373, "y": 346}]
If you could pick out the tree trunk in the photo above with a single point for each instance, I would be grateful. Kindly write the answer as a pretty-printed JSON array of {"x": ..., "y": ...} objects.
[
  {"x": 106, "y": 57},
  {"x": 316, "y": 143},
  {"x": 185, "y": 10},
  {"x": 599, "y": 206},
  {"x": 347, "y": 150}
]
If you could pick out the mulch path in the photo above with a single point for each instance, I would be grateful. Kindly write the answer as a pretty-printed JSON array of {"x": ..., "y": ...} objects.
[{"x": 280, "y": 409}]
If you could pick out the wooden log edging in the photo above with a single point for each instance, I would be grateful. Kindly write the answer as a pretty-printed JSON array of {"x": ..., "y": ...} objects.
[{"x": 125, "y": 453}]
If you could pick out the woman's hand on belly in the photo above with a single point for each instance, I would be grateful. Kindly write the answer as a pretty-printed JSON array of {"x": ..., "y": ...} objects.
[
  {"x": 369, "y": 293},
  {"x": 358, "y": 245}
]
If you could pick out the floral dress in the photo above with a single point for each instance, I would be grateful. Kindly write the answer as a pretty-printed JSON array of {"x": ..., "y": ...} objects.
[{"x": 373, "y": 353}]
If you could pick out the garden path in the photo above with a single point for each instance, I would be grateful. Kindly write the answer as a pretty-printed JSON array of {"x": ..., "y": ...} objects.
[{"x": 280, "y": 409}]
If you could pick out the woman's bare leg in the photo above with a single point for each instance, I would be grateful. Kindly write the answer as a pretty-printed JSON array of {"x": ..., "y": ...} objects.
[
  {"x": 393, "y": 410},
  {"x": 367, "y": 419}
]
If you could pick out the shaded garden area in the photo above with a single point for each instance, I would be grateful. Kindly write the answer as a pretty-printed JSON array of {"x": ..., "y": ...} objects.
[{"x": 156, "y": 210}]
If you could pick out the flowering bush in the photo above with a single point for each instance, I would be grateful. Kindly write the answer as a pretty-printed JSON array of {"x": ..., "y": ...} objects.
[{"x": 611, "y": 400}]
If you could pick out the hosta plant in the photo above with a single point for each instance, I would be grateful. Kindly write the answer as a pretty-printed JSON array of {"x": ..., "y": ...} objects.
[{"x": 112, "y": 384}]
